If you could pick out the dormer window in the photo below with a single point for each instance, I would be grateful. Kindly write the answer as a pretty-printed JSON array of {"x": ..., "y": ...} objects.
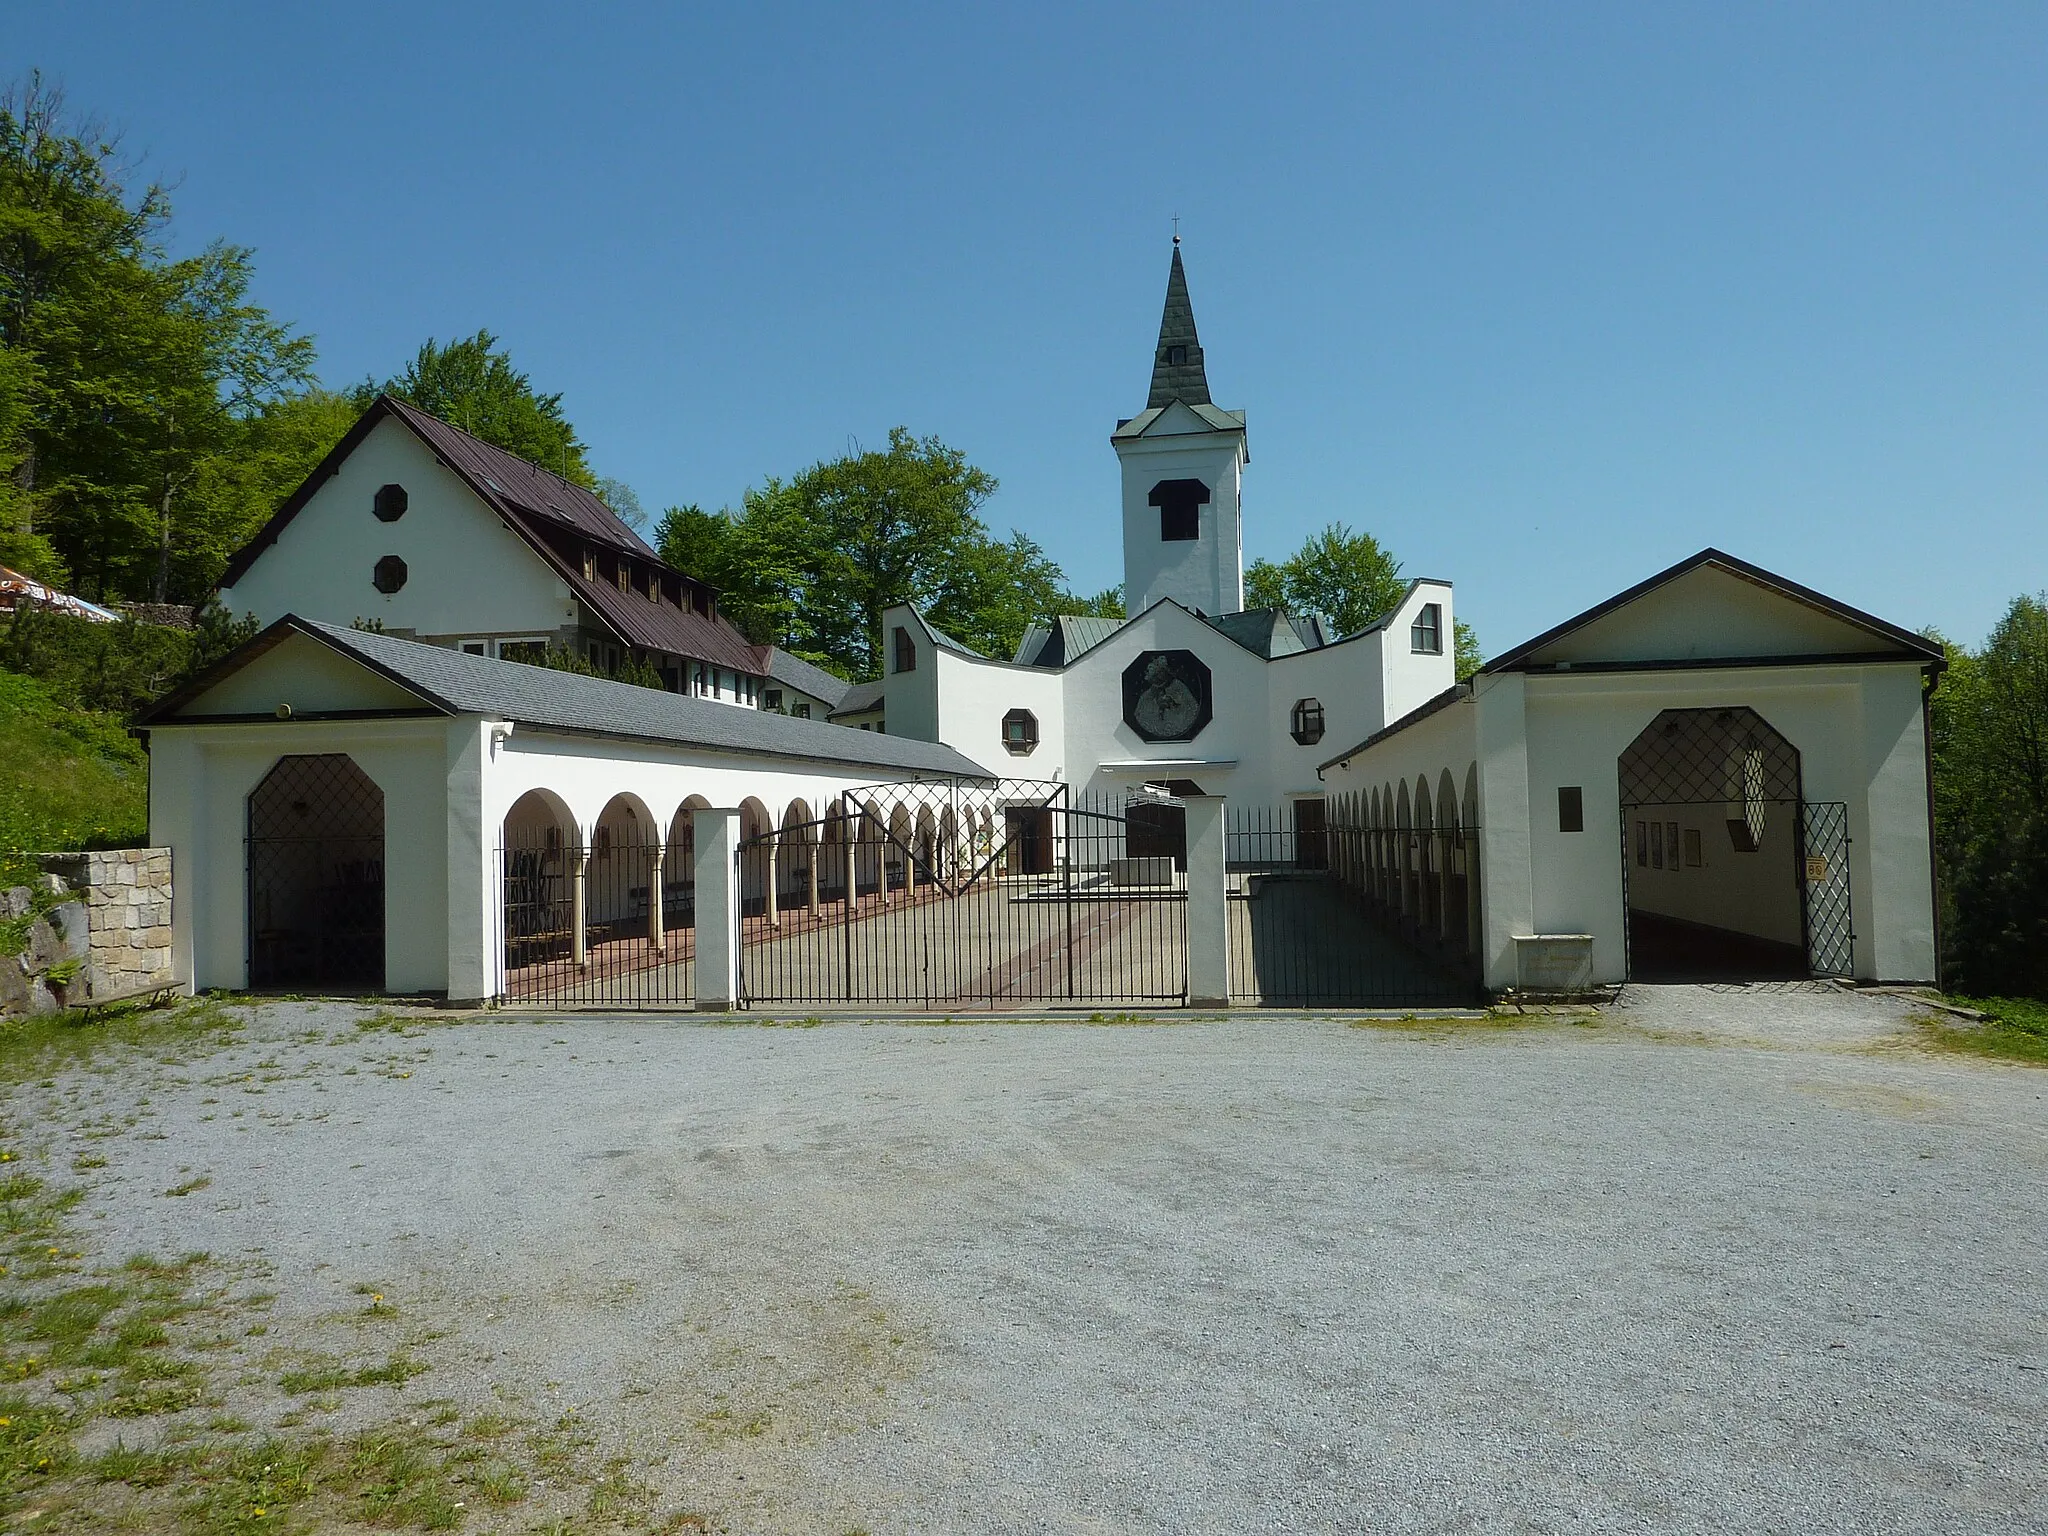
[
  {"x": 390, "y": 503},
  {"x": 1176, "y": 357},
  {"x": 625, "y": 576},
  {"x": 589, "y": 566},
  {"x": 1426, "y": 634}
]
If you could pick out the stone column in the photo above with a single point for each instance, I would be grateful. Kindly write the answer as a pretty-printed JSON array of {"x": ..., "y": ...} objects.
[
  {"x": 774, "y": 862},
  {"x": 579, "y": 938},
  {"x": 657, "y": 930},
  {"x": 814, "y": 850},
  {"x": 718, "y": 909},
  {"x": 851, "y": 828},
  {"x": 1208, "y": 903}
]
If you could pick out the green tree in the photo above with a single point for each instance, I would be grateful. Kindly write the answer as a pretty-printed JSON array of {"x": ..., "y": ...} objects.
[
  {"x": 811, "y": 562},
  {"x": 126, "y": 376},
  {"x": 1990, "y": 742},
  {"x": 1106, "y": 604},
  {"x": 472, "y": 384},
  {"x": 1347, "y": 577}
]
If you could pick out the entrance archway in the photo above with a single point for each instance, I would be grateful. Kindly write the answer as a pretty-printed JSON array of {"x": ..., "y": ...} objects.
[
  {"x": 316, "y": 876},
  {"x": 1711, "y": 840}
]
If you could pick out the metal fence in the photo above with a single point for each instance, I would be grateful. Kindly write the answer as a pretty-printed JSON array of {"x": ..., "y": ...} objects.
[
  {"x": 1329, "y": 915},
  {"x": 953, "y": 896},
  {"x": 612, "y": 924}
]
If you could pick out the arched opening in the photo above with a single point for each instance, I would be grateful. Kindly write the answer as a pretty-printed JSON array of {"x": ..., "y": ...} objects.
[
  {"x": 1710, "y": 812},
  {"x": 1451, "y": 859},
  {"x": 1427, "y": 874},
  {"x": 316, "y": 876},
  {"x": 625, "y": 844},
  {"x": 540, "y": 849}
]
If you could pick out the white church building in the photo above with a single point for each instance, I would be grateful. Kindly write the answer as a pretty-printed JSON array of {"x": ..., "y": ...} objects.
[{"x": 1717, "y": 773}]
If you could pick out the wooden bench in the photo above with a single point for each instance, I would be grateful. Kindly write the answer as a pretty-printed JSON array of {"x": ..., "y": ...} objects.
[{"x": 151, "y": 995}]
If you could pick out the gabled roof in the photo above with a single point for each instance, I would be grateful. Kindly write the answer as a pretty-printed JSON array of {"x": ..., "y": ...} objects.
[
  {"x": 1186, "y": 380},
  {"x": 1067, "y": 636},
  {"x": 534, "y": 503},
  {"x": 859, "y": 699},
  {"x": 795, "y": 672},
  {"x": 1885, "y": 641},
  {"x": 452, "y": 682},
  {"x": 1216, "y": 420},
  {"x": 505, "y": 481},
  {"x": 1269, "y": 632}
]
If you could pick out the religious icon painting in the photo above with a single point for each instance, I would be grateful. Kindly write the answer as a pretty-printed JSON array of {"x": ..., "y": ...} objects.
[{"x": 1166, "y": 695}]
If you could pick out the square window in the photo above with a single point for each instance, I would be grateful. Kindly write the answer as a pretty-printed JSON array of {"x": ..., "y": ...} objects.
[
  {"x": 1426, "y": 634},
  {"x": 1571, "y": 808},
  {"x": 472, "y": 647}
]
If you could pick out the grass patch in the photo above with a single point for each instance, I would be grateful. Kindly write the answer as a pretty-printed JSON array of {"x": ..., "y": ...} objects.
[
  {"x": 32, "y": 1050},
  {"x": 2014, "y": 1029},
  {"x": 334, "y": 1376}
]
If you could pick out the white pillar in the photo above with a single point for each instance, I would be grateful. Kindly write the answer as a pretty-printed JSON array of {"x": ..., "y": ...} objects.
[
  {"x": 774, "y": 874},
  {"x": 579, "y": 938},
  {"x": 1208, "y": 904},
  {"x": 813, "y": 850},
  {"x": 718, "y": 909},
  {"x": 656, "y": 927},
  {"x": 476, "y": 898},
  {"x": 1508, "y": 900}
]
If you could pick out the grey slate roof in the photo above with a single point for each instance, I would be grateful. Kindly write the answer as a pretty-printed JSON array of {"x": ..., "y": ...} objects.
[
  {"x": 456, "y": 683},
  {"x": 795, "y": 672},
  {"x": 1067, "y": 636},
  {"x": 1270, "y": 632},
  {"x": 1186, "y": 380},
  {"x": 1217, "y": 419},
  {"x": 859, "y": 697}
]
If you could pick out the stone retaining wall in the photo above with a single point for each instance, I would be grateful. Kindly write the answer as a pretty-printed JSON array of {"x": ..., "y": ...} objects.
[{"x": 107, "y": 931}]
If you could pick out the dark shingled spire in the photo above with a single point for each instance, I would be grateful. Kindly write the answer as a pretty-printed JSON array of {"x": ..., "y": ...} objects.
[{"x": 1177, "y": 372}]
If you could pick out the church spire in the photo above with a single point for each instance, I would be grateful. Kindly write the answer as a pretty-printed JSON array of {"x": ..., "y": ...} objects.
[{"x": 1177, "y": 372}]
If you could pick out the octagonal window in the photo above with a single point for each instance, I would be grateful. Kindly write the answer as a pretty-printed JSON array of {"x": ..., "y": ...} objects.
[
  {"x": 1020, "y": 732},
  {"x": 1305, "y": 723},
  {"x": 389, "y": 575},
  {"x": 390, "y": 503}
]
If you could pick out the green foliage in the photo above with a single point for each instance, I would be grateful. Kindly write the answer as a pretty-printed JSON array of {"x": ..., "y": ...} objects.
[
  {"x": 130, "y": 384},
  {"x": 1468, "y": 659},
  {"x": 1345, "y": 576},
  {"x": 1990, "y": 740},
  {"x": 810, "y": 563},
  {"x": 69, "y": 778},
  {"x": 473, "y": 385},
  {"x": 1106, "y": 604},
  {"x": 2014, "y": 1029}
]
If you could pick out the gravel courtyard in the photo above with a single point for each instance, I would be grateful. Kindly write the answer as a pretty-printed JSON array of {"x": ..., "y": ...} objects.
[{"x": 1743, "y": 1260}]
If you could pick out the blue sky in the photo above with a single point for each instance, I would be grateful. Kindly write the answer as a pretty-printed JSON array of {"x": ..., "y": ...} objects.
[{"x": 1545, "y": 297}]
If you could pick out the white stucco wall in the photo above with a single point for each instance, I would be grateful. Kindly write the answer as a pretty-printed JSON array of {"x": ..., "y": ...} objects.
[
  {"x": 467, "y": 573},
  {"x": 1411, "y": 677},
  {"x": 1206, "y": 573}
]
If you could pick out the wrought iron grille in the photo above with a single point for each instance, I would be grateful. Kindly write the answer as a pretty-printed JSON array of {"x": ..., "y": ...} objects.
[
  {"x": 612, "y": 925},
  {"x": 950, "y": 895},
  {"x": 315, "y": 873},
  {"x": 1325, "y": 914},
  {"x": 1704, "y": 756},
  {"x": 1824, "y": 878}
]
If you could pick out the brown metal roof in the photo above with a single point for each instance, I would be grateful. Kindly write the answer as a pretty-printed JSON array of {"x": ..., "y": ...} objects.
[
  {"x": 662, "y": 626},
  {"x": 520, "y": 486},
  {"x": 546, "y": 511}
]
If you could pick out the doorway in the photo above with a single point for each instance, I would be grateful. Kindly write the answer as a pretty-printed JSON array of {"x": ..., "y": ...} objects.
[
  {"x": 316, "y": 876},
  {"x": 1711, "y": 824}
]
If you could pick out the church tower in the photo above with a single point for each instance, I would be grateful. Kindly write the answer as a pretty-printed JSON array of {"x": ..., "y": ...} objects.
[{"x": 1183, "y": 471}]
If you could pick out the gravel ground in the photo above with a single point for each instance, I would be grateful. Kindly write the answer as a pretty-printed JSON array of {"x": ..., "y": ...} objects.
[{"x": 1716, "y": 1260}]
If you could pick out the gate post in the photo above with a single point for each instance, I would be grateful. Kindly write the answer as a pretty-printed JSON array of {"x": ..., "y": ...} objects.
[
  {"x": 1208, "y": 903},
  {"x": 718, "y": 909}
]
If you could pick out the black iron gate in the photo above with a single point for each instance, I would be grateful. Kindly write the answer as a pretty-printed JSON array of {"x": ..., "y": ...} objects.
[
  {"x": 610, "y": 925},
  {"x": 315, "y": 876},
  {"x": 1824, "y": 884},
  {"x": 1307, "y": 931},
  {"x": 951, "y": 896}
]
